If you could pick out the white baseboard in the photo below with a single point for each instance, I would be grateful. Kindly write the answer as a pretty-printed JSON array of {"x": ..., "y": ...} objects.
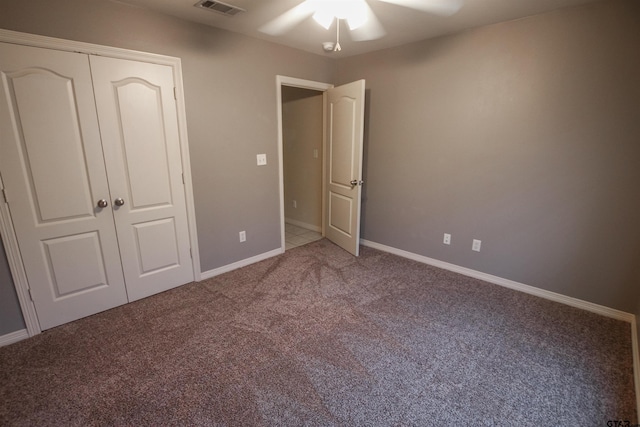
[
  {"x": 239, "y": 264},
  {"x": 303, "y": 225},
  {"x": 13, "y": 337},
  {"x": 553, "y": 296}
]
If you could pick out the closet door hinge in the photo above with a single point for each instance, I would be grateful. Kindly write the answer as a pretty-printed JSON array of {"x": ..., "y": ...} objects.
[
  {"x": 183, "y": 179},
  {"x": 4, "y": 196},
  {"x": 30, "y": 295},
  {"x": 191, "y": 253},
  {"x": 175, "y": 93}
]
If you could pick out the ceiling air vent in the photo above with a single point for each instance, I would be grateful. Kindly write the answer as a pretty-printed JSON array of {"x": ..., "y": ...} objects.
[{"x": 220, "y": 7}]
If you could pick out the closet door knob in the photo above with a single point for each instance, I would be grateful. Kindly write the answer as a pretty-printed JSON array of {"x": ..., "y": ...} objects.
[
  {"x": 102, "y": 203},
  {"x": 118, "y": 202}
]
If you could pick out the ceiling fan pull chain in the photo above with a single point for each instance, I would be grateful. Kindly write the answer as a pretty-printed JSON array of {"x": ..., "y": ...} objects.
[{"x": 337, "y": 48}]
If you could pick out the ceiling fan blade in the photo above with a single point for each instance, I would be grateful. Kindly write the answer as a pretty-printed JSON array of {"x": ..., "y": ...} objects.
[
  {"x": 372, "y": 29},
  {"x": 437, "y": 7},
  {"x": 288, "y": 20}
]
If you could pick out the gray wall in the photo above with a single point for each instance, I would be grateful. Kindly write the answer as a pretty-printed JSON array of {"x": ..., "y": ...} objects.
[
  {"x": 301, "y": 134},
  {"x": 10, "y": 313},
  {"x": 524, "y": 135}
]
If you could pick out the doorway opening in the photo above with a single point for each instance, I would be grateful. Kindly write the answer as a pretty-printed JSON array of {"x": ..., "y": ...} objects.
[
  {"x": 302, "y": 165},
  {"x": 301, "y": 124},
  {"x": 343, "y": 135}
]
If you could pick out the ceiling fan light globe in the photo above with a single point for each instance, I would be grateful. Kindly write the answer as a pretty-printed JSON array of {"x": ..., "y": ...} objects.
[
  {"x": 354, "y": 11},
  {"x": 323, "y": 18},
  {"x": 356, "y": 21}
]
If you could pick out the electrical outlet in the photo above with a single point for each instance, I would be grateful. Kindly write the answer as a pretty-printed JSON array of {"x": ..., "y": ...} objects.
[
  {"x": 476, "y": 245},
  {"x": 243, "y": 236},
  {"x": 447, "y": 239},
  {"x": 295, "y": 204},
  {"x": 315, "y": 153},
  {"x": 261, "y": 159}
]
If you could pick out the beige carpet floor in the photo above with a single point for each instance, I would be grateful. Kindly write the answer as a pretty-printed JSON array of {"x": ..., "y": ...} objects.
[{"x": 317, "y": 337}]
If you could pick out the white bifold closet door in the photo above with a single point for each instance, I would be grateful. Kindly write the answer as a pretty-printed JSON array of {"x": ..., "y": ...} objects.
[
  {"x": 139, "y": 127},
  {"x": 90, "y": 161}
]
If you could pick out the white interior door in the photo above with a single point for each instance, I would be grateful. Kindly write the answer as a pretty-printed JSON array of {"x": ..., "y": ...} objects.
[
  {"x": 138, "y": 122},
  {"x": 345, "y": 126},
  {"x": 54, "y": 175}
]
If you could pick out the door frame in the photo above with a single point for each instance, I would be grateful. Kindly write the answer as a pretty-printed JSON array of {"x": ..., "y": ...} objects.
[
  {"x": 9, "y": 238},
  {"x": 303, "y": 84}
]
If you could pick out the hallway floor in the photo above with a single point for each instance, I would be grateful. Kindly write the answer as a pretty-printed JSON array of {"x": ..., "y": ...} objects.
[{"x": 295, "y": 236}]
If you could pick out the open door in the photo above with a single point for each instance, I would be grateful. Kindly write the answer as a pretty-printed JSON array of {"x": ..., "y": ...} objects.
[{"x": 343, "y": 165}]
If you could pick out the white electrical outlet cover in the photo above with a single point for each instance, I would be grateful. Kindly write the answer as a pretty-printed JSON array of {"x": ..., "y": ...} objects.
[
  {"x": 476, "y": 245},
  {"x": 261, "y": 159}
]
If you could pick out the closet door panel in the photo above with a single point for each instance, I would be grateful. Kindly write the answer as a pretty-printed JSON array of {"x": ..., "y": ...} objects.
[
  {"x": 52, "y": 144},
  {"x": 54, "y": 174},
  {"x": 138, "y": 121},
  {"x": 144, "y": 143}
]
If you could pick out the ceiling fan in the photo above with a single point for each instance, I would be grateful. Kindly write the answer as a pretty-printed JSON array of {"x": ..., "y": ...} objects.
[{"x": 361, "y": 20}]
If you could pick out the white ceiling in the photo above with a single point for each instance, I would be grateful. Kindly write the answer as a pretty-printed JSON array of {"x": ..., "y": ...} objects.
[{"x": 402, "y": 25}]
